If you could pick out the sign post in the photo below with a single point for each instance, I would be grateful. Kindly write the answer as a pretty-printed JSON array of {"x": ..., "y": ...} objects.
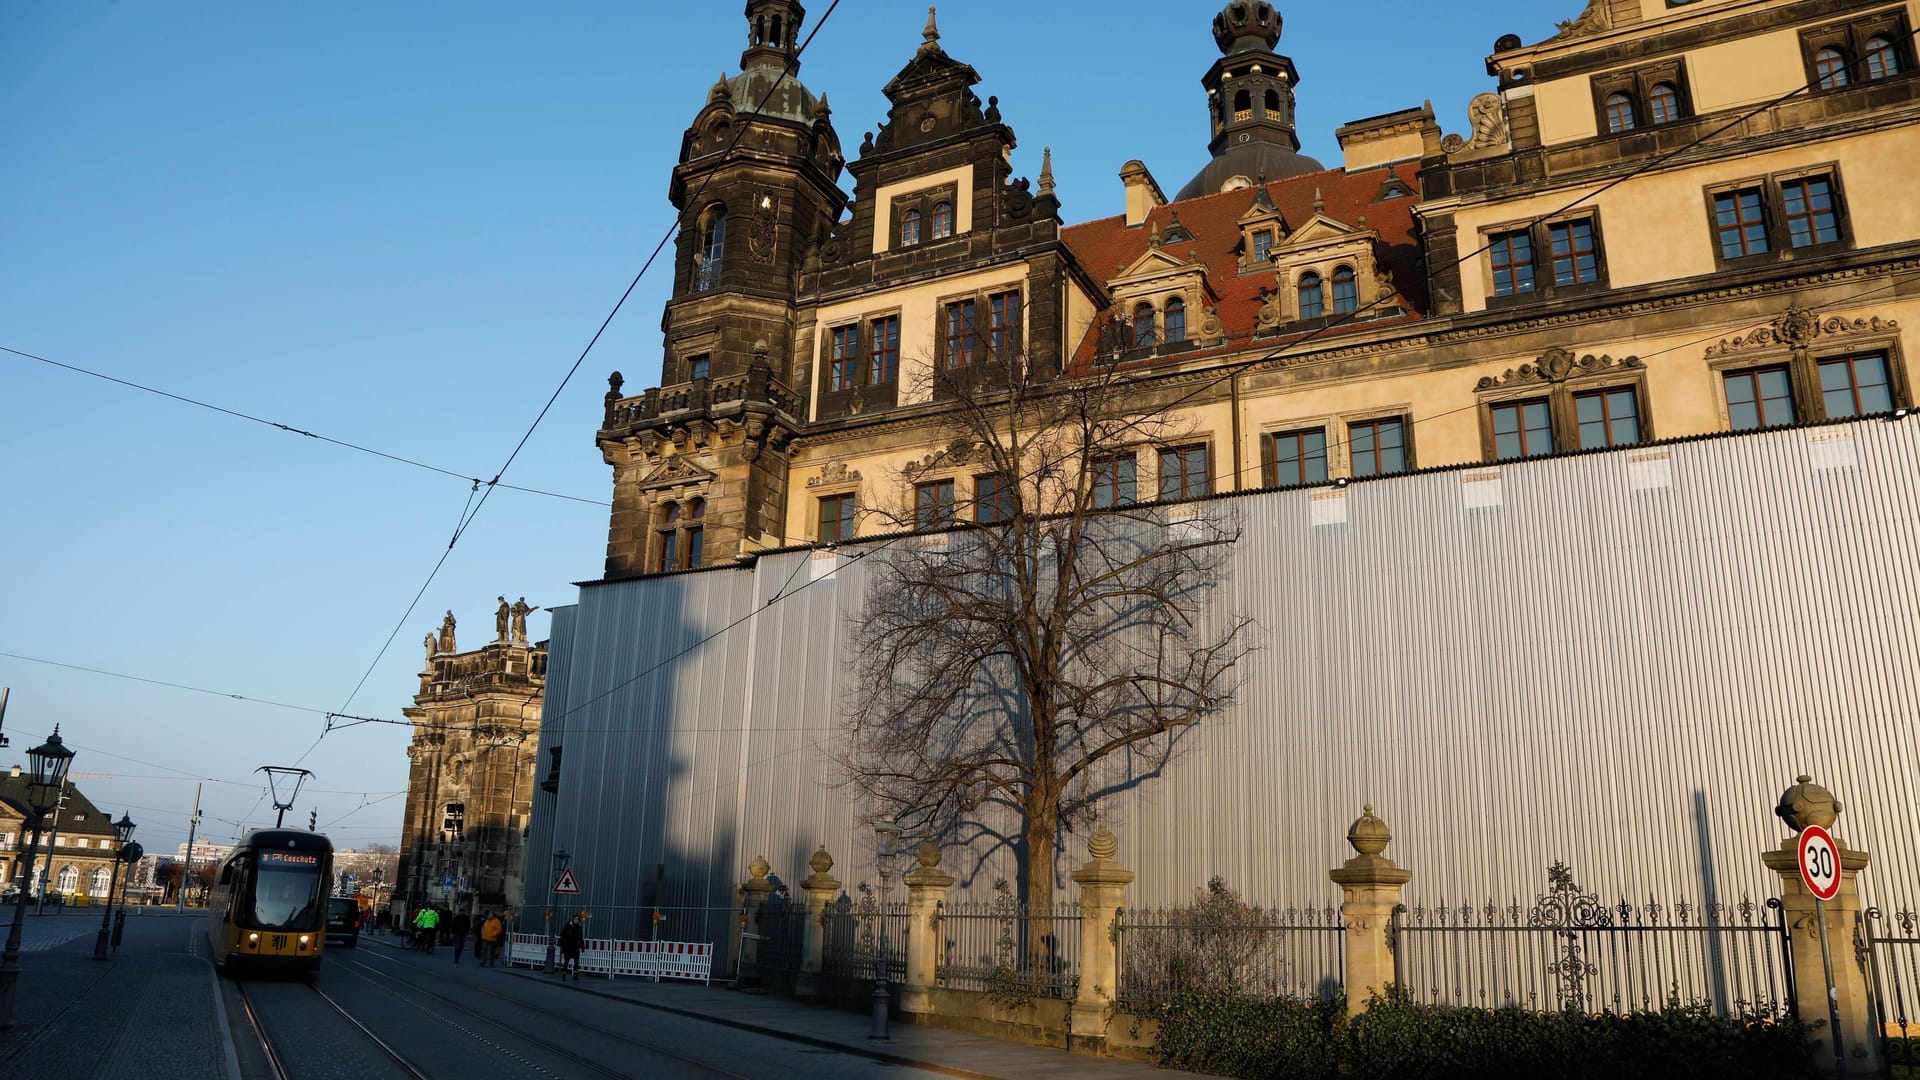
[{"x": 1819, "y": 859}]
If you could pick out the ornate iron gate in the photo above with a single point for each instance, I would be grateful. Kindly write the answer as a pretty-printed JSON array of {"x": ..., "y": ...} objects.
[{"x": 1893, "y": 963}]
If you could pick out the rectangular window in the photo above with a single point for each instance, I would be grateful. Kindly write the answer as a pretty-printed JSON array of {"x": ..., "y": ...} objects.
[
  {"x": 696, "y": 537},
  {"x": 1608, "y": 417},
  {"x": 992, "y": 499},
  {"x": 1855, "y": 386},
  {"x": 1299, "y": 457},
  {"x": 960, "y": 336},
  {"x": 1575, "y": 260},
  {"x": 697, "y": 367},
  {"x": 1522, "y": 429},
  {"x": 1114, "y": 481},
  {"x": 1809, "y": 211},
  {"x": 1759, "y": 398},
  {"x": 669, "y": 550},
  {"x": 844, "y": 355},
  {"x": 933, "y": 504},
  {"x": 836, "y": 518},
  {"x": 1004, "y": 341},
  {"x": 883, "y": 349},
  {"x": 1183, "y": 472},
  {"x": 1263, "y": 246},
  {"x": 1740, "y": 222},
  {"x": 1379, "y": 447},
  {"x": 1512, "y": 264}
]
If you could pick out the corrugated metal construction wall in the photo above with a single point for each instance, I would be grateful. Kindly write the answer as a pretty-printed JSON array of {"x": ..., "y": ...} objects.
[{"x": 1618, "y": 660}]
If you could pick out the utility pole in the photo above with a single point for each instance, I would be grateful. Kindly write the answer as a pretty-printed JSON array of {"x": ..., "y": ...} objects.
[{"x": 193, "y": 823}]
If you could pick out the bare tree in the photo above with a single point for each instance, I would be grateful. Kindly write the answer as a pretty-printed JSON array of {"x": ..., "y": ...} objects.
[{"x": 1048, "y": 646}]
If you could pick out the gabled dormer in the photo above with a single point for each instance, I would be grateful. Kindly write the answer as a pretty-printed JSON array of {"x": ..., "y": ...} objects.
[
  {"x": 1326, "y": 269},
  {"x": 1262, "y": 230},
  {"x": 1158, "y": 301}
]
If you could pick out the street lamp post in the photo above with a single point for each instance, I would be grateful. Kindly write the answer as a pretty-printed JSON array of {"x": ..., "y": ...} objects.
[
  {"x": 123, "y": 832},
  {"x": 886, "y": 837},
  {"x": 129, "y": 854},
  {"x": 50, "y": 761},
  {"x": 559, "y": 863}
]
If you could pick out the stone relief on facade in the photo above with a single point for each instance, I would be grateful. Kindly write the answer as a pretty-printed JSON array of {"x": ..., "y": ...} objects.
[
  {"x": 834, "y": 472},
  {"x": 1271, "y": 314},
  {"x": 957, "y": 452},
  {"x": 1558, "y": 365},
  {"x": 1799, "y": 329},
  {"x": 1597, "y": 17},
  {"x": 1489, "y": 116},
  {"x": 674, "y": 470},
  {"x": 763, "y": 233}
]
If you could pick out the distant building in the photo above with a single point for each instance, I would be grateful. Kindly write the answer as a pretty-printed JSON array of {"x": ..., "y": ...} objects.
[
  {"x": 476, "y": 726},
  {"x": 83, "y": 844}
]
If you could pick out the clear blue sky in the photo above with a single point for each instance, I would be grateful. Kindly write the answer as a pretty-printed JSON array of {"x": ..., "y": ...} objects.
[{"x": 398, "y": 225}]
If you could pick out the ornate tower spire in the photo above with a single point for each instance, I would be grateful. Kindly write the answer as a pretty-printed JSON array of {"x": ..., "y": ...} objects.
[
  {"x": 1250, "y": 97},
  {"x": 773, "y": 33},
  {"x": 931, "y": 35}
]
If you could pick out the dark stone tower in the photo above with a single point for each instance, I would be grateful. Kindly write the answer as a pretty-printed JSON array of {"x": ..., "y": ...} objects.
[
  {"x": 1250, "y": 98},
  {"x": 700, "y": 462}
]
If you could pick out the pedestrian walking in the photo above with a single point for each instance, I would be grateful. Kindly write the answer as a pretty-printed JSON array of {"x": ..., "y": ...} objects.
[
  {"x": 424, "y": 925},
  {"x": 571, "y": 938},
  {"x": 491, "y": 931},
  {"x": 459, "y": 926}
]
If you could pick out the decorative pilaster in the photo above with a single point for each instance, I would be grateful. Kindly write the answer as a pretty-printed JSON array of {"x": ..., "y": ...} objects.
[
  {"x": 754, "y": 893},
  {"x": 1807, "y": 803},
  {"x": 821, "y": 888},
  {"x": 927, "y": 886},
  {"x": 1103, "y": 891},
  {"x": 1370, "y": 887}
]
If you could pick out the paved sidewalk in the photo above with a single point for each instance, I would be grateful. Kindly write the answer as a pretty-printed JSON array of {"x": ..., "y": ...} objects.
[
  {"x": 955, "y": 1053},
  {"x": 149, "y": 1011}
]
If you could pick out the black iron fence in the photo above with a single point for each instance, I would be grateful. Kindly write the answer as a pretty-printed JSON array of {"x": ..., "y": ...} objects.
[
  {"x": 1003, "y": 947},
  {"x": 1264, "y": 952},
  {"x": 782, "y": 926},
  {"x": 1893, "y": 960},
  {"x": 856, "y": 932},
  {"x": 1568, "y": 950}
]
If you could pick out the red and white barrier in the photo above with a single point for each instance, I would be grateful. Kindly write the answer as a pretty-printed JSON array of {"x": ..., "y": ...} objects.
[{"x": 609, "y": 956}]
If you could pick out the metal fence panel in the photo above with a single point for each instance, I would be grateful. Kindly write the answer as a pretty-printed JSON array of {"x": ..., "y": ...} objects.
[
  {"x": 1265, "y": 952},
  {"x": 990, "y": 947}
]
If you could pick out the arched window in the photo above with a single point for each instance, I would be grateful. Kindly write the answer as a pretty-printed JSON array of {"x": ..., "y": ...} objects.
[
  {"x": 1619, "y": 113},
  {"x": 1143, "y": 325},
  {"x": 97, "y": 883},
  {"x": 1663, "y": 104},
  {"x": 1273, "y": 103},
  {"x": 1830, "y": 68},
  {"x": 1242, "y": 105},
  {"x": 1346, "y": 296},
  {"x": 696, "y": 530},
  {"x": 1175, "y": 319},
  {"x": 1882, "y": 60},
  {"x": 778, "y": 38},
  {"x": 942, "y": 220},
  {"x": 667, "y": 547},
  {"x": 713, "y": 247},
  {"x": 1312, "y": 301},
  {"x": 68, "y": 880},
  {"x": 910, "y": 228}
]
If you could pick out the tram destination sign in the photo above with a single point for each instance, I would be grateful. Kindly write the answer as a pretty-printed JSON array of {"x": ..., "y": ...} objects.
[{"x": 1819, "y": 863}]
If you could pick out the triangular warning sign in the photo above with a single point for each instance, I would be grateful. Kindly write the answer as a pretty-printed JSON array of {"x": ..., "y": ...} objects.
[{"x": 567, "y": 883}]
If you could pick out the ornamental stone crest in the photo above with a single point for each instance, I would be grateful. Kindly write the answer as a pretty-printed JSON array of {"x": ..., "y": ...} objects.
[
  {"x": 674, "y": 470},
  {"x": 1597, "y": 17},
  {"x": 958, "y": 452},
  {"x": 835, "y": 472},
  {"x": 763, "y": 232},
  {"x": 1799, "y": 329},
  {"x": 1557, "y": 366},
  {"x": 1488, "y": 113}
]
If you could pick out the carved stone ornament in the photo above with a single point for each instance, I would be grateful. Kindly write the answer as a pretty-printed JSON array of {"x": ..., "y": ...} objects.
[
  {"x": 1807, "y": 803},
  {"x": 1369, "y": 835},
  {"x": 834, "y": 472},
  {"x": 821, "y": 861},
  {"x": 957, "y": 452},
  {"x": 1270, "y": 314},
  {"x": 1103, "y": 844},
  {"x": 1799, "y": 329},
  {"x": 763, "y": 232},
  {"x": 759, "y": 867},
  {"x": 674, "y": 470},
  {"x": 1556, "y": 366},
  {"x": 1597, "y": 17},
  {"x": 1452, "y": 144},
  {"x": 929, "y": 854},
  {"x": 1210, "y": 325},
  {"x": 1488, "y": 113}
]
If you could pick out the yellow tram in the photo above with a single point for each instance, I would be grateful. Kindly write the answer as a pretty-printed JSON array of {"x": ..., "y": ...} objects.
[{"x": 268, "y": 910}]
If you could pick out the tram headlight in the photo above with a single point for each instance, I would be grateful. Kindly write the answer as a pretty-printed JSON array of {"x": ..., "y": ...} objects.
[
  {"x": 305, "y": 938},
  {"x": 253, "y": 939}
]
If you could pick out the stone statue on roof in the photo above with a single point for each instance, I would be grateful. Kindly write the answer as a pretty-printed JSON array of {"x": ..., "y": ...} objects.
[{"x": 520, "y": 610}]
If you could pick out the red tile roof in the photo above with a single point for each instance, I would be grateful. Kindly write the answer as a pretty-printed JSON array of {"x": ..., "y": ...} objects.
[{"x": 1107, "y": 245}]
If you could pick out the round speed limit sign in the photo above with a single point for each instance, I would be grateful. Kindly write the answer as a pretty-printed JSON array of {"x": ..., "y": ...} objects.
[{"x": 1819, "y": 863}]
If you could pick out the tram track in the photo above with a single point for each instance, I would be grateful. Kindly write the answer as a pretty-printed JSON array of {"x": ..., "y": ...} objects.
[
  {"x": 276, "y": 1062},
  {"x": 379, "y": 978}
]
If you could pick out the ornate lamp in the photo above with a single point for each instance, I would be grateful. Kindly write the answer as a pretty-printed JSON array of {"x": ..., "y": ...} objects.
[
  {"x": 48, "y": 776},
  {"x": 123, "y": 832}
]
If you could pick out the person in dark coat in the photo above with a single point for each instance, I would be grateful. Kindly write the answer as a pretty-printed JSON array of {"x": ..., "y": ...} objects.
[
  {"x": 571, "y": 938},
  {"x": 459, "y": 926}
]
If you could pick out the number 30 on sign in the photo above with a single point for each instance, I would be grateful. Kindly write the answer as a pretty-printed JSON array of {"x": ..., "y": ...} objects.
[{"x": 1819, "y": 863}]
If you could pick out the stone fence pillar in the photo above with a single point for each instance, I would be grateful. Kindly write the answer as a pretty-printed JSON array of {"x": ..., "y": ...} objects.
[
  {"x": 927, "y": 886},
  {"x": 1103, "y": 891},
  {"x": 754, "y": 893},
  {"x": 821, "y": 888},
  {"x": 1807, "y": 803},
  {"x": 1370, "y": 886}
]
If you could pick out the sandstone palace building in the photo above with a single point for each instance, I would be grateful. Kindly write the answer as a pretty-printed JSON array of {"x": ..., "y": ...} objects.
[{"x": 1568, "y": 429}]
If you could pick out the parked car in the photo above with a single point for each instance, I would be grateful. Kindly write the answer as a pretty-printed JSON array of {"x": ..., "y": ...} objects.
[{"x": 343, "y": 921}]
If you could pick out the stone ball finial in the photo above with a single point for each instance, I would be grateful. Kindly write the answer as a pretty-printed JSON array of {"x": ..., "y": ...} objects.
[
  {"x": 929, "y": 854},
  {"x": 821, "y": 861},
  {"x": 1369, "y": 835},
  {"x": 1807, "y": 803},
  {"x": 761, "y": 348},
  {"x": 1103, "y": 844},
  {"x": 759, "y": 867}
]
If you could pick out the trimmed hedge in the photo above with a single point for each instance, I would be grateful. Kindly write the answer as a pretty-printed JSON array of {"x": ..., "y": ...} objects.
[{"x": 1292, "y": 1039}]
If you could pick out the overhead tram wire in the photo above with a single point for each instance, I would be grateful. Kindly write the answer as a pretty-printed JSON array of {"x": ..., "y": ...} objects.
[
  {"x": 665, "y": 238},
  {"x": 289, "y": 428}
]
